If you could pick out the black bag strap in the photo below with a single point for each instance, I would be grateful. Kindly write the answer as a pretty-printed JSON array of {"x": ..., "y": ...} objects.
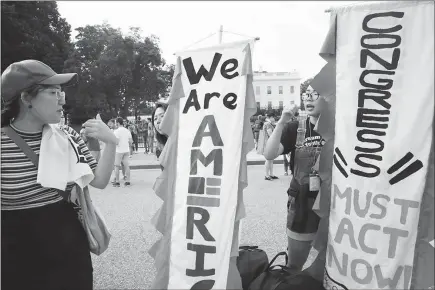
[
  {"x": 283, "y": 268},
  {"x": 248, "y": 247},
  {"x": 278, "y": 255},
  {"x": 22, "y": 144},
  {"x": 27, "y": 151}
]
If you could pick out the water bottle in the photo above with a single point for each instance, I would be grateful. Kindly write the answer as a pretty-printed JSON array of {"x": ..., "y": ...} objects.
[{"x": 301, "y": 131}]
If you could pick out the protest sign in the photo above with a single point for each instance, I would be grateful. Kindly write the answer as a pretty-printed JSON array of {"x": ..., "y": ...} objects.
[
  {"x": 383, "y": 136},
  {"x": 205, "y": 166}
]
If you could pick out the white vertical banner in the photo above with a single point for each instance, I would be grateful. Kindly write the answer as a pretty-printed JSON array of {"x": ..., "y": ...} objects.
[
  {"x": 383, "y": 135},
  {"x": 210, "y": 134}
]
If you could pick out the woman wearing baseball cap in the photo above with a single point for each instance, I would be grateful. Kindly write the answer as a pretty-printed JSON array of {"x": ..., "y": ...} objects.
[{"x": 43, "y": 243}]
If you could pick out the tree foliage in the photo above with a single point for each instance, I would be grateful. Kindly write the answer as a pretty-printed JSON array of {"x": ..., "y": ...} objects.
[
  {"x": 34, "y": 30},
  {"x": 120, "y": 75}
]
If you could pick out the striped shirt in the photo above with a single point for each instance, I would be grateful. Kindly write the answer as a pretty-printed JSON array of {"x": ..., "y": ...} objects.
[{"x": 19, "y": 189}]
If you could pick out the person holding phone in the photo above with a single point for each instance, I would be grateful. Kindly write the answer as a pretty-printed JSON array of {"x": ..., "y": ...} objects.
[{"x": 301, "y": 139}]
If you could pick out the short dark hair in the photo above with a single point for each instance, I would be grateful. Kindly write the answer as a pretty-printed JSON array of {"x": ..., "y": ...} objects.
[
  {"x": 120, "y": 121},
  {"x": 270, "y": 115}
]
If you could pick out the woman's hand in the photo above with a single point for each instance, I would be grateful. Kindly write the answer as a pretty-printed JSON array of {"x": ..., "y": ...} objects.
[
  {"x": 287, "y": 114},
  {"x": 97, "y": 129},
  {"x": 82, "y": 134}
]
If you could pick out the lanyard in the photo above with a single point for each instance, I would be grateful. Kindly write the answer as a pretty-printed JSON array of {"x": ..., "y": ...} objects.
[{"x": 300, "y": 139}]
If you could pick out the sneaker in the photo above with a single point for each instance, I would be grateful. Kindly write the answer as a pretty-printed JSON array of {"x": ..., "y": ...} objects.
[
  {"x": 116, "y": 184},
  {"x": 274, "y": 177},
  {"x": 267, "y": 178},
  {"x": 127, "y": 183}
]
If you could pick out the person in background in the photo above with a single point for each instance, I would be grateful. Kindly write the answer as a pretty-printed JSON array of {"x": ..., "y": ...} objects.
[
  {"x": 143, "y": 131},
  {"x": 288, "y": 157},
  {"x": 157, "y": 117},
  {"x": 126, "y": 125},
  {"x": 258, "y": 126},
  {"x": 300, "y": 138},
  {"x": 151, "y": 135},
  {"x": 122, "y": 151},
  {"x": 133, "y": 130},
  {"x": 112, "y": 125},
  {"x": 268, "y": 127},
  {"x": 43, "y": 243},
  {"x": 286, "y": 164}
]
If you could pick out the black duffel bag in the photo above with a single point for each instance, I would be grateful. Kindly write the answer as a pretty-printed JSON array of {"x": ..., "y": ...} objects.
[
  {"x": 280, "y": 277},
  {"x": 251, "y": 262}
]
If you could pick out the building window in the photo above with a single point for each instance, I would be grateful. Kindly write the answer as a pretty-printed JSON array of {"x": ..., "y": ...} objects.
[
  {"x": 280, "y": 90},
  {"x": 269, "y": 105},
  {"x": 281, "y": 105},
  {"x": 257, "y": 90},
  {"x": 269, "y": 90},
  {"x": 292, "y": 89}
]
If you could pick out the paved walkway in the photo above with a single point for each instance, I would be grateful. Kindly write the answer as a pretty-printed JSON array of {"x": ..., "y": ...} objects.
[
  {"x": 140, "y": 160},
  {"x": 128, "y": 212}
]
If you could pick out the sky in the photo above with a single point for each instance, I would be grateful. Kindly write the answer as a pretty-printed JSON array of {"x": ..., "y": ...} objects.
[{"x": 291, "y": 32}]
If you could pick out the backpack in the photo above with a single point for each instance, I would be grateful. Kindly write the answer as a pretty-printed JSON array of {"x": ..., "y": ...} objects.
[
  {"x": 279, "y": 277},
  {"x": 251, "y": 262}
]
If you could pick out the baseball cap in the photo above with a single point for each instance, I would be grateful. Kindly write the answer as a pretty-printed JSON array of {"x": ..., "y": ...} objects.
[{"x": 27, "y": 73}]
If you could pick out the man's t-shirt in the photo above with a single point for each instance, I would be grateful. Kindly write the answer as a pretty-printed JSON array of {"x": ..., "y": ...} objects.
[
  {"x": 289, "y": 136},
  {"x": 124, "y": 136}
]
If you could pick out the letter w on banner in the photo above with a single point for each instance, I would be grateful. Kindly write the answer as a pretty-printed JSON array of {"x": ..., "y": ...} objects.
[
  {"x": 383, "y": 135},
  {"x": 211, "y": 118}
]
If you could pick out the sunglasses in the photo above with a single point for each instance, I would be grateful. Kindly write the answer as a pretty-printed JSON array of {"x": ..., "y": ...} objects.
[{"x": 314, "y": 96}]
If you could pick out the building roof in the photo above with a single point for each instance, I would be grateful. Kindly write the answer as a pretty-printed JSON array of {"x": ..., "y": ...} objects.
[{"x": 277, "y": 75}]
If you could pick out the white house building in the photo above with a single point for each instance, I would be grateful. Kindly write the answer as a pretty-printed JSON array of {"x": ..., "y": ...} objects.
[{"x": 276, "y": 90}]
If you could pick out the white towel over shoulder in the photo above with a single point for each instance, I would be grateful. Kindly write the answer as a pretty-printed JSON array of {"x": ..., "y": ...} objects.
[{"x": 60, "y": 160}]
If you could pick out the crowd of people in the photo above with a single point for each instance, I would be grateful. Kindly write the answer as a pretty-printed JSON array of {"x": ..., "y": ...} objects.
[
  {"x": 36, "y": 219},
  {"x": 130, "y": 134}
]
